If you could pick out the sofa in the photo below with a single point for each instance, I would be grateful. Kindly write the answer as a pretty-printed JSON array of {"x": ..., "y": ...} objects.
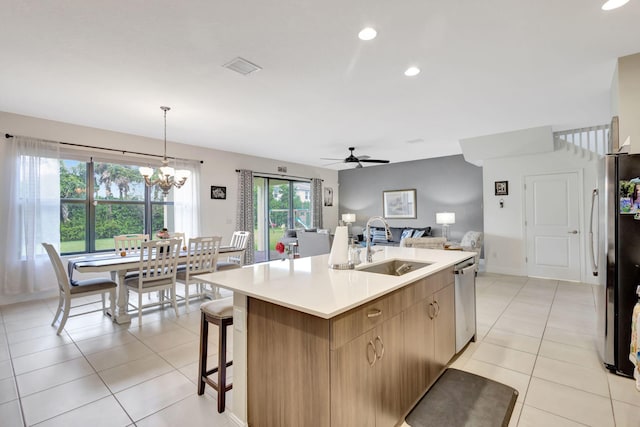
[
  {"x": 311, "y": 243},
  {"x": 378, "y": 235},
  {"x": 424, "y": 242}
]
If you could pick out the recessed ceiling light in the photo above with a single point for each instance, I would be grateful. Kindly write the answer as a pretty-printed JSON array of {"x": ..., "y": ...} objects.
[
  {"x": 367, "y": 34},
  {"x": 412, "y": 71},
  {"x": 614, "y": 4}
]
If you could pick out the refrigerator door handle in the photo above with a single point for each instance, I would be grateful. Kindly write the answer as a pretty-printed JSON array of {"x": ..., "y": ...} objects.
[{"x": 592, "y": 251}]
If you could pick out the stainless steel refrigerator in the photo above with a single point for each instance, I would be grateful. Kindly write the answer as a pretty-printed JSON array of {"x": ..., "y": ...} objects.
[{"x": 615, "y": 222}]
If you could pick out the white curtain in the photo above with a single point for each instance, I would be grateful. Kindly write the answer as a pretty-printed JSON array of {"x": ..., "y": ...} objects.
[
  {"x": 186, "y": 201},
  {"x": 29, "y": 214}
]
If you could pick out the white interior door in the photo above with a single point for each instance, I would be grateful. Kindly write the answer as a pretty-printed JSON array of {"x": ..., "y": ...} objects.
[{"x": 553, "y": 226}]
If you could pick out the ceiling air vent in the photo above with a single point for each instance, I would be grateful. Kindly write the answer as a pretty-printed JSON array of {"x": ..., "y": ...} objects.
[{"x": 242, "y": 66}]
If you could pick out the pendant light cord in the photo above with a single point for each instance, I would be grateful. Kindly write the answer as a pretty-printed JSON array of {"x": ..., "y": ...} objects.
[{"x": 165, "y": 109}]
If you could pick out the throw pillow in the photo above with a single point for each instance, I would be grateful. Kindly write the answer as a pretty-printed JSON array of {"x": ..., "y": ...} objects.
[
  {"x": 418, "y": 233},
  {"x": 379, "y": 236},
  {"x": 406, "y": 233}
]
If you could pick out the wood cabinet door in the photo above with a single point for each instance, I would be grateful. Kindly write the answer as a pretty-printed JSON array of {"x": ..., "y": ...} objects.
[
  {"x": 390, "y": 372},
  {"x": 444, "y": 329},
  {"x": 418, "y": 344},
  {"x": 353, "y": 382}
]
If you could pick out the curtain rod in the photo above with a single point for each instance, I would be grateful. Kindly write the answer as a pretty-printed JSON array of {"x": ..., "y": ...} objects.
[
  {"x": 7, "y": 136},
  {"x": 280, "y": 175}
]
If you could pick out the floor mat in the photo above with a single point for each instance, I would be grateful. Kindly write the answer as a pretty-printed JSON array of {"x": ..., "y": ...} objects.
[{"x": 460, "y": 398}]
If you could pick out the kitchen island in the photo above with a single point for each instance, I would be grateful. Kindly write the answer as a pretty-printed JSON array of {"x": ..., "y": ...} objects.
[{"x": 320, "y": 347}]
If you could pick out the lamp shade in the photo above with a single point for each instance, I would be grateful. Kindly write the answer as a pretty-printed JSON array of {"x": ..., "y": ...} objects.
[
  {"x": 445, "y": 218},
  {"x": 349, "y": 217},
  {"x": 146, "y": 171}
]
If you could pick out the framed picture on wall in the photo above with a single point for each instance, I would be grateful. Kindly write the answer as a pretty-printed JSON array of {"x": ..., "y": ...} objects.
[
  {"x": 399, "y": 204},
  {"x": 218, "y": 193},
  {"x": 328, "y": 196},
  {"x": 502, "y": 188}
]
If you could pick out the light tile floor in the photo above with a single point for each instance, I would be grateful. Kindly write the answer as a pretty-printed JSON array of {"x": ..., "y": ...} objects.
[
  {"x": 98, "y": 373},
  {"x": 535, "y": 335},
  {"x": 539, "y": 336}
]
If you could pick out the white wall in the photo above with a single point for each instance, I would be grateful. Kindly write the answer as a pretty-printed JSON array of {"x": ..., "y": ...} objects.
[
  {"x": 628, "y": 97},
  {"x": 505, "y": 245},
  {"x": 507, "y": 144},
  {"x": 218, "y": 216}
]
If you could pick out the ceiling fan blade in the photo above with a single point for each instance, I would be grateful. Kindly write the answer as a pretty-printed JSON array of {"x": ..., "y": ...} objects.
[
  {"x": 351, "y": 158},
  {"x": 374, "y": 161}
]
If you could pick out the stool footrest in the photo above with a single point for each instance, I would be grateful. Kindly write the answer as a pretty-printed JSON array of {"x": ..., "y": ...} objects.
[
  {"x": 214, "y": 370},
  {"x": 214, "y": 385}
]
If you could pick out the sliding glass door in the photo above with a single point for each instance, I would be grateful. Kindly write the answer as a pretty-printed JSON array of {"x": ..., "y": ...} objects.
[{"x": 279, "y": 204}]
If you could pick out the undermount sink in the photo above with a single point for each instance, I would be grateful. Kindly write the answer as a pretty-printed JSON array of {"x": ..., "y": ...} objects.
[{"x": 395, "y": 267}]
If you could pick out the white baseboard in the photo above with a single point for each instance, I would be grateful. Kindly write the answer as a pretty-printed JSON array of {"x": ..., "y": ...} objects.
[
  {"x": 20, "y": 298},
  {"x": 505, "y": 270},
  {"x": 235, "y": 420}
]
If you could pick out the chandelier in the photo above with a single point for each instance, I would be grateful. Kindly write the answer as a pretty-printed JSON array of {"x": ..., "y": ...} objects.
[{"x": 169, "y": 177}]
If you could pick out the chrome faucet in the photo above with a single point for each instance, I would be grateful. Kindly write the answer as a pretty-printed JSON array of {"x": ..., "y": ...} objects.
[{"x": 368, "y": 234}]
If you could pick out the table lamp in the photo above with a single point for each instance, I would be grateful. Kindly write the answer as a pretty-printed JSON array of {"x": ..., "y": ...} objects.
[
  {"x": 445, "y": 219},
  {"x": 348, "y": 219}
]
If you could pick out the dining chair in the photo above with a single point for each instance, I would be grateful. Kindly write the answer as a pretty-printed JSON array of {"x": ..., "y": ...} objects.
[
  {"x": 239, "y": 240},
  {"x": 129, "y": 243},
  {"x": 156, "y": 272},
  {"x": 202, "y": 257},
  {"x": 69, "y": 290},
  {"x": 178, "y": 235}
]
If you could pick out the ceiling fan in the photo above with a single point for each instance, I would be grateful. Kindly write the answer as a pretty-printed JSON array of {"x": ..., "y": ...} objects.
[{"x": 358, "y": 160}]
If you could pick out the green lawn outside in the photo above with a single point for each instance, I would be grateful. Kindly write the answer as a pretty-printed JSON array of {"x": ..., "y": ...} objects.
[
  {"x": 78, "y": 245},
  {"x": 275, "y": 234}
]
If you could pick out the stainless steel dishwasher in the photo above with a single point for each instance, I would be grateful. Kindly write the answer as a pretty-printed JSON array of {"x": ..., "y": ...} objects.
[{"x": 465, "y": 297}]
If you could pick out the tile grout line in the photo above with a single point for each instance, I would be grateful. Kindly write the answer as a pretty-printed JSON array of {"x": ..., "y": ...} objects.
[
  {"x": 524, "y": 399},
  {"x": 13, "y": 371}
]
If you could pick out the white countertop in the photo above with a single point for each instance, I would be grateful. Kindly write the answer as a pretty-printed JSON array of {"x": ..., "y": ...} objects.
[{"x": 310, "y": 286}]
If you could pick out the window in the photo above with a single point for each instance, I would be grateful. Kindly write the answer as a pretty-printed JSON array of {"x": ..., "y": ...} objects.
[{"x": 99, "y": 200}]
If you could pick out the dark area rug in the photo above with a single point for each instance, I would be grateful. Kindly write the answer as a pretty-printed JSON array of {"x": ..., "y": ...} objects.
[{"x": 460, "y": 398}]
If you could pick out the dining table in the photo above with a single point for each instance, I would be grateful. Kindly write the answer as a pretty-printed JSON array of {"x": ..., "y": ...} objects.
[{"x": 118, "y": 266}]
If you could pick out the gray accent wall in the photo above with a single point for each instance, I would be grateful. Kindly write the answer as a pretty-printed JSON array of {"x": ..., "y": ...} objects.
[{"x": 444, "y": 184}]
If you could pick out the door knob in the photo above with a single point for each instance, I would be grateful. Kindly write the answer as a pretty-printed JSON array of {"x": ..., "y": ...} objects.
[{"x": 573, "y": 232}]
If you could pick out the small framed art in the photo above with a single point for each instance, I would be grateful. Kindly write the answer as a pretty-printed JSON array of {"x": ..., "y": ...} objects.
[
  {"x": 502, "y": 188},
  {"x": 218, "y": 193}
]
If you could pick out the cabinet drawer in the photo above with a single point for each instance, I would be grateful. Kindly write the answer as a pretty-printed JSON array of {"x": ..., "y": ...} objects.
[
  {"x": 426, "y": 287},
  {"x": 354, "y": 323}
]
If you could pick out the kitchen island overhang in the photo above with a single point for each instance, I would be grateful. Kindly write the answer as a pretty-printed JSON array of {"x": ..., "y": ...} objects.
[{"x": 310, "y": 286}]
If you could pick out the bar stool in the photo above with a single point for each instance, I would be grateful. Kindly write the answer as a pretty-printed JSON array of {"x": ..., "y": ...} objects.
[{"x": 219, "y": 312}]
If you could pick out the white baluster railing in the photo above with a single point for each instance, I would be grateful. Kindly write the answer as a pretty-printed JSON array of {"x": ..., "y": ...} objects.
[{"x": 591, "y": 140}]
